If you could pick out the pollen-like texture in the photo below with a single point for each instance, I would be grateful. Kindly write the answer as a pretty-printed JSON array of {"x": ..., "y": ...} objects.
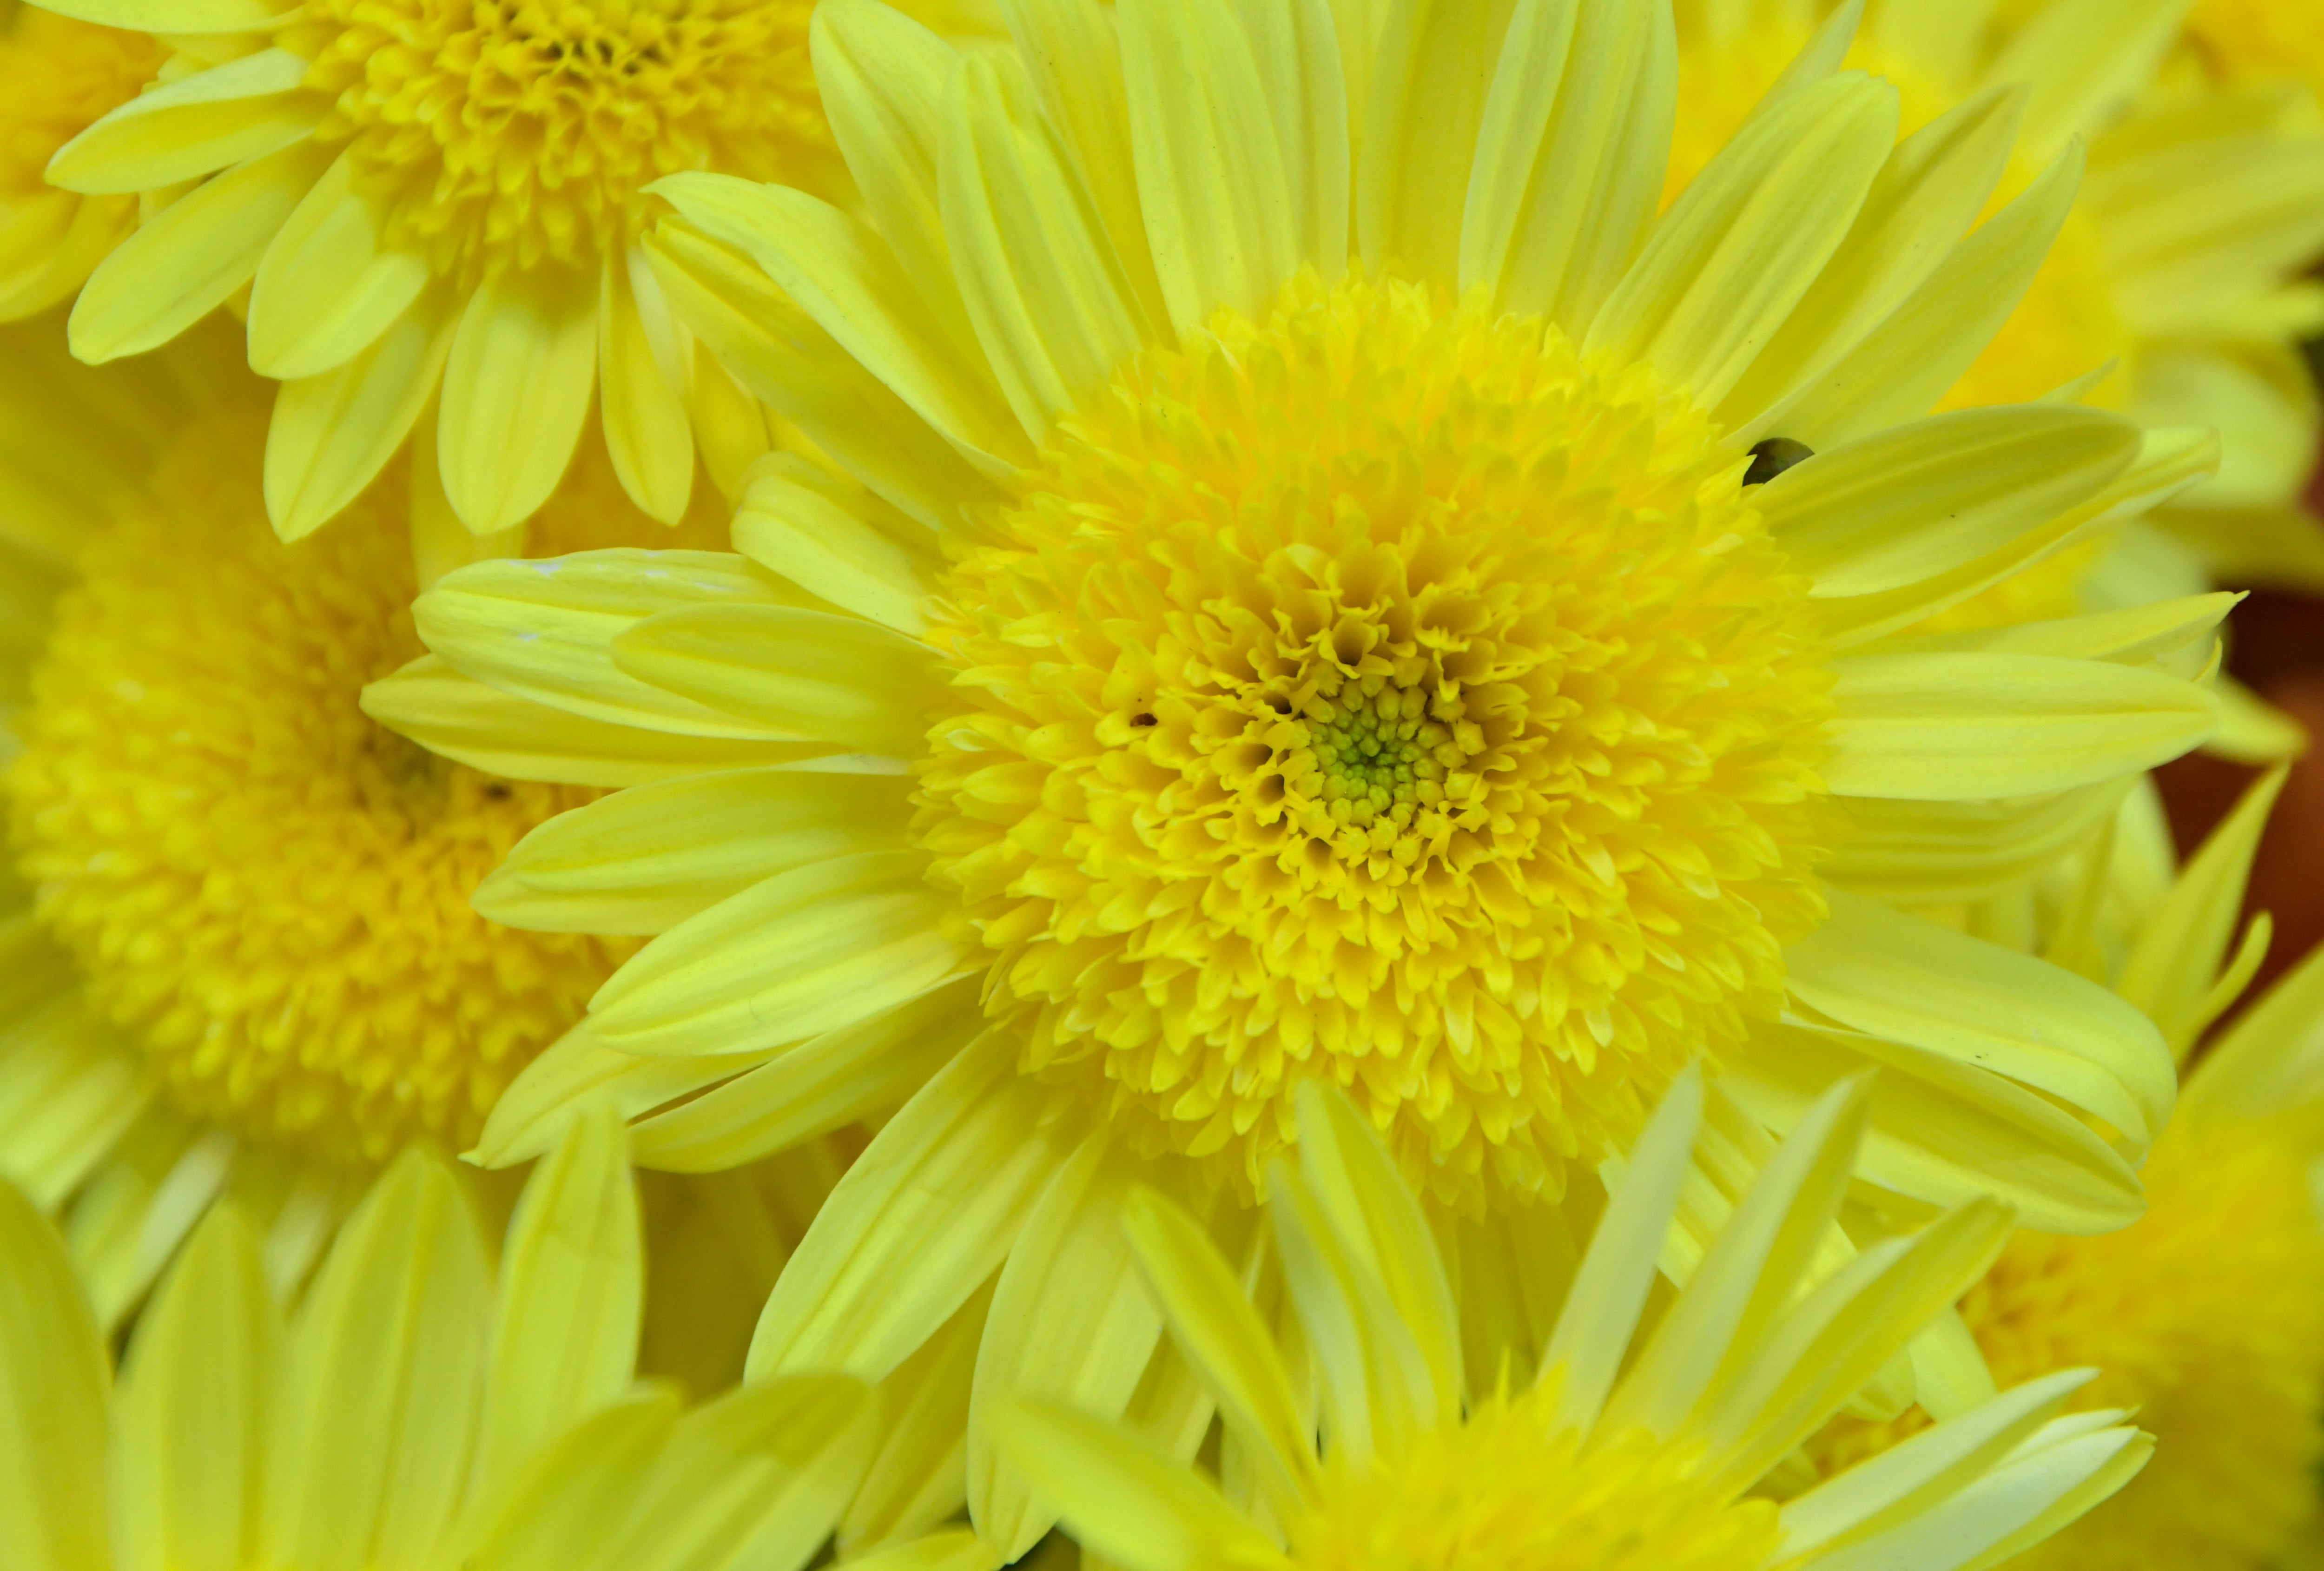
[
  {"x": 503, "y": 134},
  {"x": 1378, "y": 691},
  {"x": 1499, "y": 1492},
  {"x": 61, "y": 77},
  {"x": 267, "y": 888},
  {"x": 2207, "y": 1318}
]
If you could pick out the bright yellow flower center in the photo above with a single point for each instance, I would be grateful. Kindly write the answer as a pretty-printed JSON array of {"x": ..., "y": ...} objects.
[
  {"x": 61, "y": 77},
  {"x": 267, "y": 891},
  {"x": 508, "y": 132},
  {"x": 1499, "y": 1493},
  {"x": 2247, "y": 41},
  {"x": 1378, "y": 691},
  {"x": 2206, "y": 1317},
  {"x": 2066, "y": 327}
]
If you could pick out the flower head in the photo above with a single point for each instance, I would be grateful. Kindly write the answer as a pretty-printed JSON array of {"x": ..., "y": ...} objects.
[
  {"x": 1439, "y": 629},
  {"x": 1600, "y": 1464},
  {"x": 434, "y": 207}
]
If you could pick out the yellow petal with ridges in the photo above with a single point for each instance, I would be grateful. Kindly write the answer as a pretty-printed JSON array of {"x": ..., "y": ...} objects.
[
  {"x": 802, "y": 953},
  {"x": 790, "y": 523},
  {"x": 1210, "y": 169},
  {"x": 1919, "y": 853},
  {"x": 195, "y": 125},
  {"x": 1736, "y": 252},
  {"x": 795, "y": 671},
  {"x": 70, "y": 1088},
  {"x": 190, "y": 18},
  {"x": 1948, "y": 726},
  {"x": 924, "y": 1216},
  {"x": 644, "y": 860},
  {"x": 644, "y": 415},
  {"x": 1910, "y": 981},
  {"x": 1071, "y": 1322},
  {"x": 191, "y": 1413},
  {"x": 530, "y": 1117},
  {"x": 325, "y": 290},
  {"x": 1422, "y": 112},
  {"x": 571, "y": 1505},
  {"x": 864, "y": 1070},
  {"x": 516, "y": 389},
  {"x": 919, "y": 1477},
  {"x": 572, "y": 1293},
  {"x": 1297, "y": 47},
  {"x": 387, "y": 1361},
  {"x": 189, "y": 257}
]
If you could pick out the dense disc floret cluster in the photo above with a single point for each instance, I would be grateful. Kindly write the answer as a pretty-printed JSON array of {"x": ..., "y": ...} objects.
[
  {"x": 1378, "y": 689},
  {"x": 507, "y": 132},
  {"x": 269, "y": 891},
  {"x": 1502, "y": 1489}
]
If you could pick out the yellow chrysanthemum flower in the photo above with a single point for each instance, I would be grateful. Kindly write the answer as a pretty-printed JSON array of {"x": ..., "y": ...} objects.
[
  {"x": 429, "y": 210},
  {"x": 240, "y": 952},
  {"x": 1424, "y": 665},
  {"x": 2180, "y": 267},
  {"x": 1601, "y": 1464},
  {"x": 2206, "y": 1315},
  {"x": 422, "y": 1408}
]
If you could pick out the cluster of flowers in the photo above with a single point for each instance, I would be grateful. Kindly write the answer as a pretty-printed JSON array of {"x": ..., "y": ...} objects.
[{"x": 1222, "y": 785}]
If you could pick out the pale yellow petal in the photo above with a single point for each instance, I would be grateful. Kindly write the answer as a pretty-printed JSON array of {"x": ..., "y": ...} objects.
[
  {"x": 70, "y": 1086},
  {"x": 530, "y": 1117},
  {"x": 1920, "y": 854},
  {"x": 788, "y": 521},
  {"x": 923, "y": 1217},
  {"x": 918, "y": 1478},
  {"x": 246, "y": 108},
  {"x": 327, "y": 289},
  {"x": 195, "y": 18},
  {"x": 516, "y": 389},
  {"x": 1297, "y": 47},
  {"x": 1421, "y": 113},
  {"x": 188, "y": 1461},
  {"x": 2086, "y": 60},
  {"x": 1071, "y": 1322},
  {"x": 333, "y": 433},
  {"x": 53, "y": 1401},
  {"x": 647, "y": 433},
  {"x": 189, "y": 257}
]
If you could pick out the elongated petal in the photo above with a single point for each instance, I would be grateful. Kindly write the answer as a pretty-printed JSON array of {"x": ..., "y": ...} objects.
[
  {"x": 856, "y": 1071},
  {"x": 847, "y": 278},
  {"x": 775, "y": 350},
  {"x": 1052, "y": 307},
  {"x": 644, "y": 415},
  {"x": 1071, "y": 1322},
  {"x": 518, "y": 738},
  {"x": 516, "y": 391},
  {"x": 919, "y": 1476},
  {"x": 185, "y": 260},
  {"x": 327, "y": 289},
  {"x": 53, "y": 1400},
  {"x": 1565, "y": 182},
  {"x": 2172, "y": 969},
  {"x": 1297, "y": 47},
  {"x": 70, "y": 1088},
  {"x": 189, "y": 1458},
  {"x": 1421, "y": 113},
  {"x": 925, "y": 1214},
  {"x": 1904, "y": 366},
  {"x": 243, "y": 109},
  {"x": 529, "y": 1118},
  {"x": 2086, "y": 60},
  {"x": 1379, "y": 1221},
  {"x": 1937, "y": 853},
  {"x": 788, "y": 523},
  {"x": 1209, "y": 166},
  {"x": 1740, "y": 247},
  {"x": 565, "y": 1333},
  {"x": 333, "y": 433},
  {"x": 1602, "y": 1312},
  {"x": 1126, "y": 1497},
  {"x": 645, "y": 860},
  {"x": 1944, "y": 1130},
  {"x": 387, "y": 1370},
  {"x": 1217, "y": 1330},
  {"x": 1914, "y": 982},
  {"x": 798, "y": 672},
  {"x": 545, "y": 630},
  {"x": 565, "y": 1507},
  {"x": 1920, "y": 499},
  {"x": 802, "y": 953},
  {"x": 1945, "y": 727},
  {"x": 194, "y": 18}
]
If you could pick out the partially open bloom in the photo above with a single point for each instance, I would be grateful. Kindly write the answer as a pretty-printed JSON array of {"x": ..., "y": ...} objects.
[
  {"x": 429, "y": 210},
  {"x": 422, "y": 1408},
  {"x": 2178, "y": 269},
  {"x": 2206, "y": 1316},
  {"x": 1424, "y": 661},
  {"x": 1601, "y": 1464}
]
